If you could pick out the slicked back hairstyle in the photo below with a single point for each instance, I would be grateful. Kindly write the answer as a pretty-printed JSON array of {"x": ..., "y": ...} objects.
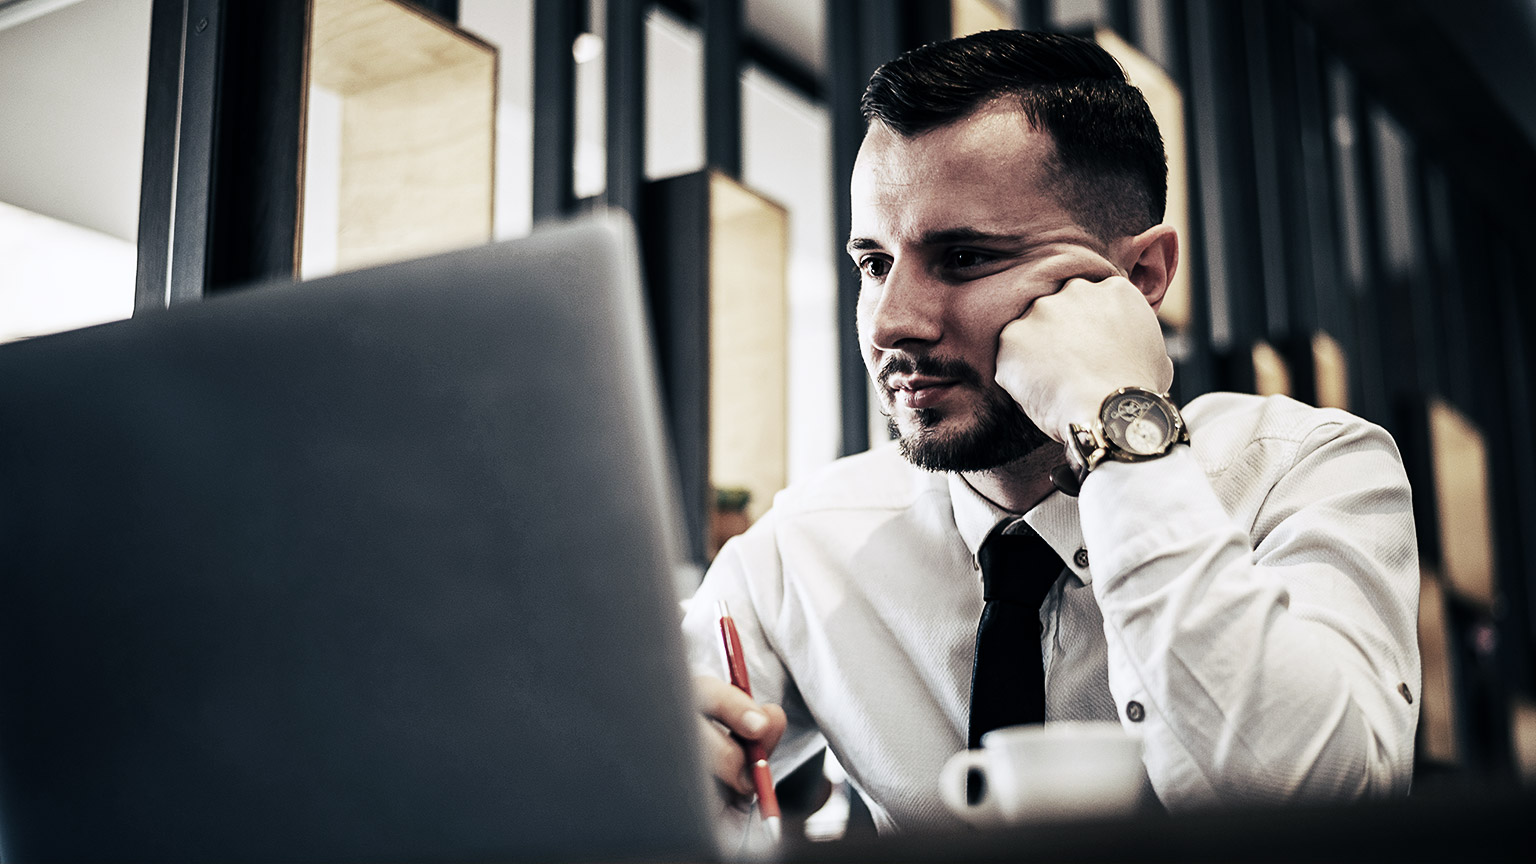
[{"x": 1110, "y": 170}]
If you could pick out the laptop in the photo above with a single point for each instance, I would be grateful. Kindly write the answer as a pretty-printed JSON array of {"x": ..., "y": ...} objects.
[{"x": 381, "y": 566}]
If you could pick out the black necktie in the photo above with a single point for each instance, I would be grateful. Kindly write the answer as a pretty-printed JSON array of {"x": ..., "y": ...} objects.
[{"x": 1008, "y": 676}]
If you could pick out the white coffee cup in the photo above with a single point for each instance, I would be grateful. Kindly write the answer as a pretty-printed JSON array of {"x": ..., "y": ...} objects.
[{"x": 1047, "y": 772}]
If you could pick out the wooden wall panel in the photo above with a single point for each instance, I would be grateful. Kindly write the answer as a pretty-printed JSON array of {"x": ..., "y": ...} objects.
[
  {"x": 748, "y": 342},
  {"x": 417, "y": 131},
  {"x": 1437, "y": 711},
  {"x": 1462, "y": 500},
  {"x": 416, "y": 166}
]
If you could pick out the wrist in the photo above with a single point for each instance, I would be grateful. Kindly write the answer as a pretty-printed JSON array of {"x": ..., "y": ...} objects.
[{"x": 1131, "y": 424}]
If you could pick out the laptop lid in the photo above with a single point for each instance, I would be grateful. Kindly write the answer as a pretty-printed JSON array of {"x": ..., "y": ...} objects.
[{"x": 379, "y": 566}]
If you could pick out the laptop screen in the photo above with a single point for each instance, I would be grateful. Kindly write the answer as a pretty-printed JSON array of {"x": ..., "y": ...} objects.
[{"x": 379, "y": 566}]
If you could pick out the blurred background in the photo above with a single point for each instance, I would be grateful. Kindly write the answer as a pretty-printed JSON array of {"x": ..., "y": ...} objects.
[{"x": 1352, "y": 179}]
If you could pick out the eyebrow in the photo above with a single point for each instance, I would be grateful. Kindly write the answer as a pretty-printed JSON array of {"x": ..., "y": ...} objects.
[{"x": 943, "y": 237}]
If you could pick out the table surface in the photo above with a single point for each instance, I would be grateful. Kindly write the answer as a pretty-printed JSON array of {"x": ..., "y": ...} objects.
[{"x": 1477, "y": 827}]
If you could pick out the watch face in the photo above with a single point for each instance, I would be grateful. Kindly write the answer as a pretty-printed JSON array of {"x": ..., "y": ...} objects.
[{"x": 1137, "y": 424}]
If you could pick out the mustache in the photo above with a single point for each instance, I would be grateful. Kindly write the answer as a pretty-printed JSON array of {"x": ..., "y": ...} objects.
[{"x": 923, "y": 364}]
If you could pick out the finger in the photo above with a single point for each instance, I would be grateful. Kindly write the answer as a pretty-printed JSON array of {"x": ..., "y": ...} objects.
[
  {"x": 734, "y": 709},
  {"x": 777, "y": 723},
  {"x": 1078, "y": 263},
  {"x": 726, "y": 760},
  {"x": 1092, "y": 281}
]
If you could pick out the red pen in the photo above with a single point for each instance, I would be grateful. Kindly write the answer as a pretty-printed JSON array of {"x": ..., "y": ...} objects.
[{"x": 736, "y": 661}]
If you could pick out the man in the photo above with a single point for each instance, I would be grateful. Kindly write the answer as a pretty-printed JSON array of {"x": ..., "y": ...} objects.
[{"x": 1245, "y": 602}]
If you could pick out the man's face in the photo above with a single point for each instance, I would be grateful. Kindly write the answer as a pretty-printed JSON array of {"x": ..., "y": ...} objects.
[{"x": 955, "y": 233}]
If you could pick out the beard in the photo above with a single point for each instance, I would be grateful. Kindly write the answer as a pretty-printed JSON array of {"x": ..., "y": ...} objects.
[{"x": 999, "y": 431}]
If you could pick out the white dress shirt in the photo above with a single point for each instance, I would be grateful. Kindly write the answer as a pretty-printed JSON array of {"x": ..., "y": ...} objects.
[{"x": 1247, "y": 605}]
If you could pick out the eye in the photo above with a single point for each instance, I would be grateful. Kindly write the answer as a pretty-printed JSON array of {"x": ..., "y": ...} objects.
[
  {"x": 874, "y": 267},
  {"x": 963, "y": 259}
]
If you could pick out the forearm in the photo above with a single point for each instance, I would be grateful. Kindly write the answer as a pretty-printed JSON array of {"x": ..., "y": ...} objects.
[{"x": 1266, "y": 668}]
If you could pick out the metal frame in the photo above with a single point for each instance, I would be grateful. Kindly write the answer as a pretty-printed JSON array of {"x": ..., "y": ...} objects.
[
  {"x": 675, "y": 223},
  {"x": 1223, "y": 149},
  {"x": 624, "y": 78},
  {"x": 722, "y": 85},
  {"x": 556, "y": 24},
  {"x": 258, "y": 172},
  {"x": 755, "y": 50},
  {"x": 176, "y": 190}
]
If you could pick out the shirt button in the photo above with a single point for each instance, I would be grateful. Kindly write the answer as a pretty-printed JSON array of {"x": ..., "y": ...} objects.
[
  {"x": 1134, "y": 712},
  {"x": 1407, "y": 694},
  {"x": 1081, "y": 558}
]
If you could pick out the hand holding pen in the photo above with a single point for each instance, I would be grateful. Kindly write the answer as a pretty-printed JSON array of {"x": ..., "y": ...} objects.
[{"x": 754, "y": 728}]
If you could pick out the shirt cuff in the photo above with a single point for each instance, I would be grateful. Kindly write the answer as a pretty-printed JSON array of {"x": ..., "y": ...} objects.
[{"x": 1135, "y": 512}]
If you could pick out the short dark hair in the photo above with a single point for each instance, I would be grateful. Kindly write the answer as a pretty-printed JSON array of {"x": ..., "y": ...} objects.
[{"x": 1112, "y": 172}]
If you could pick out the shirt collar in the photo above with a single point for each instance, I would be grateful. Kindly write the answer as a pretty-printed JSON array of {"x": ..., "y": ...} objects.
[{"x": 1055, "y": 519}]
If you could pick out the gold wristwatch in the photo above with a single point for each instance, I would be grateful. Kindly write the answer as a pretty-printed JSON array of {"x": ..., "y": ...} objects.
[{"x": 1134, "y": 425}]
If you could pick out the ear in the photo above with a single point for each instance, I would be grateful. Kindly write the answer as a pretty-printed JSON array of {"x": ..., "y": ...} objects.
[{"x": 1150, "y": 259}]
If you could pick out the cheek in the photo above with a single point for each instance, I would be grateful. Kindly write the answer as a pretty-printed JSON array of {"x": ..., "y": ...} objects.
[
  {"x": 863, "y": 316},
  {"x": 975, "y": 332}
]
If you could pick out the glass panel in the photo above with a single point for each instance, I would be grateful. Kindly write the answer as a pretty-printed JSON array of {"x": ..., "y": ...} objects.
[
  {"x": 508, "y": 24},
  {"x": 1156, "y": 31},
  {"x": 1077, "y": 14},
  {"x": 674, "y": 97},
  {"x": 591, "y": 170},
  {"x": 73, "y": 79},
  {"x": 787, "y": 148},
  {"x": 796, "y": 27}
]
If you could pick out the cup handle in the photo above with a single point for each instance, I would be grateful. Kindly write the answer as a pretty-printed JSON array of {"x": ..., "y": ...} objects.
[{"x": 952, "y": 788}]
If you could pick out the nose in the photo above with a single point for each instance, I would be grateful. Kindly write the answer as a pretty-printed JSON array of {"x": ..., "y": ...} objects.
[{"x": 907, "y": 307}]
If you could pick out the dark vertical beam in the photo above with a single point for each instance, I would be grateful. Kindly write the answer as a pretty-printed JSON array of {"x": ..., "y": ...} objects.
[
  {"x": 1293, "y": 203},
  {"x": 1457, "y": 375},
  {"x": 157, "y": 184},
  {"x": 1272, "y": 306},
  {"x": 1352, "y": 190},
  {"x": 257, "y": 171},
  {"x": 180, "y": 119},
  {"x": 675, "y": 234},
  {"x": 722, "y": 85},
  {"x": 1374, "y": 337},
  {"x": 1223, "y": 155},
  {"x": 860, "y": 35},
  {"x": 556, "y": 23},
  {"x": 624, "y": 71},
  {"x": 1500, "y": 318},
  {"x": 925, "y": 22},
  {"x": 1195, "y": 371},
  {"x": 1033, "y": 15},
  {"x": 1122, "y": 20},
  {"x": 1498, "y": 355},
  {"x": 846, "y": 76},
  {"x": 1316, "y": 258},
  {"x": 190, "y": 244},
  {"x": 1515, "y": 483}
]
